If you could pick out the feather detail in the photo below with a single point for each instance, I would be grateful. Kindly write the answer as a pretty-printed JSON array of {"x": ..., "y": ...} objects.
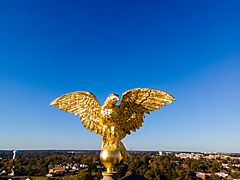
[{"x": 84, "y": 105}]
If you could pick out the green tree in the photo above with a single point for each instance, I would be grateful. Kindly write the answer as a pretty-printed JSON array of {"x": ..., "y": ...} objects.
[
  {"x": 150, "y": 174},
  {"x": 215, "y": 167},
  {"x": 85, "y": 176},
  {"x": 235, "y": 175}
]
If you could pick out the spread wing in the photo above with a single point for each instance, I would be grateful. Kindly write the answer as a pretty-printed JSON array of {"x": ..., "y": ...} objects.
[
  {"x": 136, "y": 102},
  {"x": 84, "y": 105}
]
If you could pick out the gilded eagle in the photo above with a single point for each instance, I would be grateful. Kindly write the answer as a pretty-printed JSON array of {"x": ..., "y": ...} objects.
[{"x": 110, "y": 121}]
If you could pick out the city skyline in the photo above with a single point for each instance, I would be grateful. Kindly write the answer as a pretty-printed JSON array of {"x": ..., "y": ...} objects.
[{"x": 188, "y": 49}]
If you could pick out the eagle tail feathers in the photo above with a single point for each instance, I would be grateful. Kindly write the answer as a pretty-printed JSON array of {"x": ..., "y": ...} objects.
[{"x": 123, "y": 151}]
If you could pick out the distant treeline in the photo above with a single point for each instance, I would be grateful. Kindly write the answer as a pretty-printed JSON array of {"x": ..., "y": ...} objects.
[{"x": 149, "y": 164}]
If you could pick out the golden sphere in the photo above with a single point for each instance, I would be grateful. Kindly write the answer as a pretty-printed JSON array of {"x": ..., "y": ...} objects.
[{"x": 110, "y": 158}]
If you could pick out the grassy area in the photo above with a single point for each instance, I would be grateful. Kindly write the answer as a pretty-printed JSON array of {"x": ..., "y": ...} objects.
[
  {"x": 71, "y": 177},
  {"x": 39, "y": 177}
]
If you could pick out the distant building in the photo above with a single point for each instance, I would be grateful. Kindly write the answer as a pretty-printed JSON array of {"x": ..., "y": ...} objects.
[
  {"x": 225, "y": 166},
  {"x": 189, "y": 155},
  {"x": 163, "y": 153},
  {"x": 160, "y": 153},
  {"x": 57, "y": 170},
  {"x": 200, "y": 175},
  {"x": 222, "y": 174},
  {"x": 236, "y": 165},
  {"x": 49, "y": 175},
  {"x": 83, "y": 165}
]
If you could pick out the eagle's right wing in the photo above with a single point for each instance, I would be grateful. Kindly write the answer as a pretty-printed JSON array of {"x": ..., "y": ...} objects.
[{"x": 84, "y": 105}]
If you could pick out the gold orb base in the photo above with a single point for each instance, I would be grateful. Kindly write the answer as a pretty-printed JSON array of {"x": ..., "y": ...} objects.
[{"x": 110, "y": 158}]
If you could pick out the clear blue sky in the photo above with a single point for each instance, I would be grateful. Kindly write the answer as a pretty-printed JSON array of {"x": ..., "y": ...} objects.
[{"x": 190, "y": 49}]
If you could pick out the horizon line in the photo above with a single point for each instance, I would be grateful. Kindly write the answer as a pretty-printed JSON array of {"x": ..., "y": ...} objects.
[{"x": 54, "y": 149}]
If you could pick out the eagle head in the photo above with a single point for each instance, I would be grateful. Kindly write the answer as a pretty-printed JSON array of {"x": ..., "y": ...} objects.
[{"x": 111, "y": 100}]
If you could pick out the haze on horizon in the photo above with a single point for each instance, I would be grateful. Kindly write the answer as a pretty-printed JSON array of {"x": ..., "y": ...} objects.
[{"x": 188, "y": 49}]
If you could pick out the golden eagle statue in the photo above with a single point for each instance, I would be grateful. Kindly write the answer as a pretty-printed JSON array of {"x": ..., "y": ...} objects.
[{"x": 110, "y": 121}]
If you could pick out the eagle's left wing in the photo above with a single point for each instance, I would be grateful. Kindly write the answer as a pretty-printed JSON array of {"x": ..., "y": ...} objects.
[{"x": 136, "y": 102}]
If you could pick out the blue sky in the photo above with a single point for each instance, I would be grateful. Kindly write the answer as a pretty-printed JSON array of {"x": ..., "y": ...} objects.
[{"x": 190, "y": 49}]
